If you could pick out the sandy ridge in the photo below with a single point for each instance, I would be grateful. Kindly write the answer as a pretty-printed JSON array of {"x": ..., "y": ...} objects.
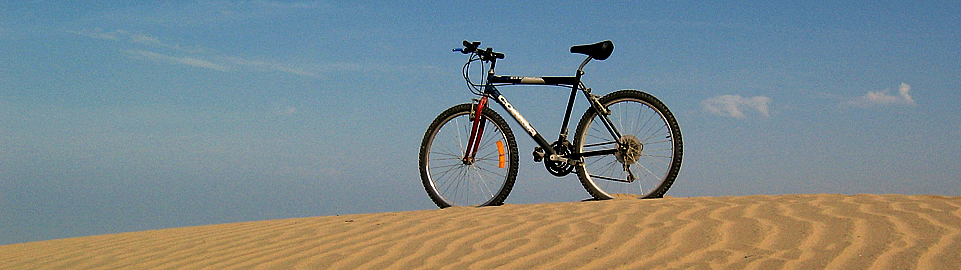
[{"x": 813, "y": 231}]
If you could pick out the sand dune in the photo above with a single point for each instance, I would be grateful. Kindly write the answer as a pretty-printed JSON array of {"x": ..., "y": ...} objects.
[{"x": 815, "y": 231}]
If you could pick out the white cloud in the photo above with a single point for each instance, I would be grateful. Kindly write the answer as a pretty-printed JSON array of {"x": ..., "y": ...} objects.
[
  {"x": 146, "y": 47},
  {"x": 282, "y": 109},
  {"x": 884, "y": 98},
  {"x": 190, "y": 61},
  {"x": 285, "y": 110},
  {"x": 136, "y": 38},
  {"x": 291, "y": 5},
  {"x": 221, "y": 63},
  {"x": 100, "y": 34},
  {"x": 737, "y": 106},
  {"x": 147, "y": 40},
  {"x": 231, "y": 11}
]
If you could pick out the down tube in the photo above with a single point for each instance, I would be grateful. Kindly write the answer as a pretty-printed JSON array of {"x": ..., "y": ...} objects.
[{"x": 523, "y": 122}]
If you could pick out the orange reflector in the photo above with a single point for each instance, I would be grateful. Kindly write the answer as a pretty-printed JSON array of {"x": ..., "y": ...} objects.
[{"x": 500, "y": 153}]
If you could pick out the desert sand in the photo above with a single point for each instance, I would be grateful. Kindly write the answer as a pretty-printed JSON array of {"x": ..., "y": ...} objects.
[{"x": 816, "y": 231}]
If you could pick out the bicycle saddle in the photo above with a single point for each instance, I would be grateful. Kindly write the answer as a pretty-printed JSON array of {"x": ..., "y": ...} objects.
[{"x": 599, "y": 51}]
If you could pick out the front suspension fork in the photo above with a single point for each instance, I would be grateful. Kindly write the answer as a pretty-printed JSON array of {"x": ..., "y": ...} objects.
[{"x": 476, "y": 132}]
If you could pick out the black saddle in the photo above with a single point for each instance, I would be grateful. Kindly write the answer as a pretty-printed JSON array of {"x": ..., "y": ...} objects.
[{"x": 599, "y": 51}]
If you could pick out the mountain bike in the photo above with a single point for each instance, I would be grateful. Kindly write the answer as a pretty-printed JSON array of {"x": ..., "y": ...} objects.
[{"x": 626, "y": 144}]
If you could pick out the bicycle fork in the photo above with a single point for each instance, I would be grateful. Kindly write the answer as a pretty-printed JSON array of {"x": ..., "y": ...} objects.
[{"x": 476, "y": 131}]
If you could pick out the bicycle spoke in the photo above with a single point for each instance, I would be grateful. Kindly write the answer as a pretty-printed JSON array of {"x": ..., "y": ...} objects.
[
  {"x": 484, "y": 179},
  {"x": 634, "y": 148},
  {"x": 644, "y": 167}
]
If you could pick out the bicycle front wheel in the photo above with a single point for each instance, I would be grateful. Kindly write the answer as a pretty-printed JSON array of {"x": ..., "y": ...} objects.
[
  {"x": 643, "y": 162},
  {"x": 449, "y": 178}
]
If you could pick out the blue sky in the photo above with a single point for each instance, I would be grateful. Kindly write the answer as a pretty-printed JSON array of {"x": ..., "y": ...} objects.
[{"x": 124, "y": 116}]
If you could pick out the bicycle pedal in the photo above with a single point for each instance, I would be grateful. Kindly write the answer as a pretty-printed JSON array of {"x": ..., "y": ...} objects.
[{"x": 538, "y": 154}]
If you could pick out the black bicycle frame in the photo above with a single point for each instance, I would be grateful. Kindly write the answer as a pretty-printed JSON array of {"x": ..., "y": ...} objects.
[{"x": 574, "y": 82}]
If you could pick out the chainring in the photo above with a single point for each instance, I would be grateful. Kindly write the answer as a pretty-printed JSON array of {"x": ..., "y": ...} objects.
[{"x": 556, "y": 168}]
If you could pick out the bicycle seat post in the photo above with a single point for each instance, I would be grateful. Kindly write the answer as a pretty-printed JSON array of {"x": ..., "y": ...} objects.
[{"x": 580, "y": 69}]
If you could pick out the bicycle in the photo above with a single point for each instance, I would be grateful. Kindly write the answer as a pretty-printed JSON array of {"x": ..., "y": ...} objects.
[{"x": 626, "y": 144}]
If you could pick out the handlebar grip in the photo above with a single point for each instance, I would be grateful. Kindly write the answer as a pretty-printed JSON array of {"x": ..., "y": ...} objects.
[{"x": 470, "y": 47}]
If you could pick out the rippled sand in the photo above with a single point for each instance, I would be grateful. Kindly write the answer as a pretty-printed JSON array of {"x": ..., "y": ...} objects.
[{"x": 813, "y": 231}]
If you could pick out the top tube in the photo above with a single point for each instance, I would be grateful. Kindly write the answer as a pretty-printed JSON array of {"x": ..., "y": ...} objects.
[{"x": 568, "y": 81}]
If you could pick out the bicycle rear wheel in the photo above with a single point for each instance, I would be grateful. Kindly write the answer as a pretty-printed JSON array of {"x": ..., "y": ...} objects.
[
  {"x": 448, "y": 178},
  {"x": 647, "y": 156}
]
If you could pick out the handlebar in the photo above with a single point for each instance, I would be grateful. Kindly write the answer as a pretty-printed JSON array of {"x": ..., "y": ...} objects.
[{"x": 486, "y": 55}]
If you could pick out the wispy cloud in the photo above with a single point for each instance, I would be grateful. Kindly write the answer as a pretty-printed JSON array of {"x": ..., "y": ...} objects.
[
  {"x": 283, "y": 109},
  {"x": 737, "y": 106},
  {"x": 287, "y": 5},
  {"x": 146, "y": 47},
  {"x": 885, "y": 98},
  {"x": 100, "y": 34},
  {"x": 184, "y": 60},
  {"x": 136, "y": 38},
  {"x": 206, "y": 12}
]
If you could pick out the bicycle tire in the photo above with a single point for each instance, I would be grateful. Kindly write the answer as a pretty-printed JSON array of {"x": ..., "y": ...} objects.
[
  {"x": 643, "y": 121},
  {"x": 450, "y": 181}
]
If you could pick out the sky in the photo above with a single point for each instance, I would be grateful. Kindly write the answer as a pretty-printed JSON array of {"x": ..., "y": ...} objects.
[{"x": 120, "y": 116}]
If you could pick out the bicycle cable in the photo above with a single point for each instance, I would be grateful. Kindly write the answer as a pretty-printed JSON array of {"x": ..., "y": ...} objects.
[{"x": 474, "y": 88}]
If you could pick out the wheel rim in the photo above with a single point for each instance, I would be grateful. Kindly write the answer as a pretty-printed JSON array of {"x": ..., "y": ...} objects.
[
  {"x": 649, "y": 151},
  {"x": 456, "y": 182}
]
